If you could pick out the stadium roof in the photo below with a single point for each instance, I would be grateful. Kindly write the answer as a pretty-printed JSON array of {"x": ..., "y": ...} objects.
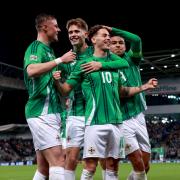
[
  {"x": 161, "y": 64},
  {"x": 14, "y": 128}
]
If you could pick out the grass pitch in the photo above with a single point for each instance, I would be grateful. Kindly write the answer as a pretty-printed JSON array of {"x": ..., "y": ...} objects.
[{"x": 161, "y": 171}]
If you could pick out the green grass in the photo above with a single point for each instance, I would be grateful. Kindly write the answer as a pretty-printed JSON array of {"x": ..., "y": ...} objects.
[{"x": 168, "y": 171}]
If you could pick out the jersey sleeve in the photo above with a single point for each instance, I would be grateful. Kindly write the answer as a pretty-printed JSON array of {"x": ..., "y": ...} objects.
[
  {"x": 34, "y": 57},
  {"x": 76, "y": 75},
  {"x": 115, "y": 63},
  {"x": 135, "y": 51}
]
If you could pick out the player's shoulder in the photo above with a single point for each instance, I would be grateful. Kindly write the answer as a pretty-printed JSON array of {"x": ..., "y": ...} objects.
[
  {"x": 114, "y": 57},
  {"x": 35, "y": 46},
  {"x": 85, "y": 60}
]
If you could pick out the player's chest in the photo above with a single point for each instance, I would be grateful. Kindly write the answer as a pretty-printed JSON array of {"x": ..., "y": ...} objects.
[{"x": 103, "y": 78}]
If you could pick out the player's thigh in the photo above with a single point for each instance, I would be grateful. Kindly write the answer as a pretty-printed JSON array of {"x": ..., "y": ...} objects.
[
  {"x": 42, "y": 164},
  {"x": 54, "y": 156},
  {"x": 72, "y": 153}
]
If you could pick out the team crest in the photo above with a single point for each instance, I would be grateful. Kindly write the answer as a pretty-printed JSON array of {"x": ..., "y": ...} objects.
[
  {"x": 33, "y": 57},
  {"x": 91, "y": 150},
  {"x": 68, "y": 138},
  {"x": 73, "y": 63},
  {"x": 58, "y": 137},
  {"x": 127, "y": 147}
]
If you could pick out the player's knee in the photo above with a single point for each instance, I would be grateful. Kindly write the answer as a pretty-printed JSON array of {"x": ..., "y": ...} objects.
[
  {"x": 44, "y": 170},
  {"x": 147, "y": 167},
  {"x": 73, "y": 160},
  {"x": 112, "y": 164},
  {"x": 103, "y": 163},
  {"x": 137, "y": 161},
  {"x": 91, "y": 164}
]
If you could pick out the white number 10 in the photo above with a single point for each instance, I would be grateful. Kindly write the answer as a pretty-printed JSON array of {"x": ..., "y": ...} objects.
[{"x": 106, "y": 77}]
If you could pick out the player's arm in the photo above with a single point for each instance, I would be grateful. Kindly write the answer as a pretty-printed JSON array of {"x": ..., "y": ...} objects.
[
  {"x": 115, "y": 63},
  {"x": 134, "y": 40},
  {"x": 63, "y": 88},
  {"x": 74, "y": 79},
  {"x": 37, "y": 69},
  {"x": 131, "y": 91}
]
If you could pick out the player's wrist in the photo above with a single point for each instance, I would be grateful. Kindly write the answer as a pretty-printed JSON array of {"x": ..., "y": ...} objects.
[
  {"x": 144, "y": 87},
  {"x": 58, "y": 60}
]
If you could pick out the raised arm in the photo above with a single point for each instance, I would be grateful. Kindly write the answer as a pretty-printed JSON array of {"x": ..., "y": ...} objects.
[
  {"x": 133, "y": 39},
  {"x": 131, "y": 91},
  {"x": 135, "y": 43}
]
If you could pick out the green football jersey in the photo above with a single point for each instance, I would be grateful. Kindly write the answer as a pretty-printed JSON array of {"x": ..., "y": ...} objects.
[
  {"x": 101, "y": 92},
  {"x": 43, "y": 97},
  {"x": 77, "y": 99},
  {"x": 77, "y": 102},
  {"x": 131, "y": 76}
]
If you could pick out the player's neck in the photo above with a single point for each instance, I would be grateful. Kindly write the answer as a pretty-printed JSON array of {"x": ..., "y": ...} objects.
[
  {"x": 80, "y": 49},
  {"x": 43, "y": 39},
  {"x": 99, "y": 52}
]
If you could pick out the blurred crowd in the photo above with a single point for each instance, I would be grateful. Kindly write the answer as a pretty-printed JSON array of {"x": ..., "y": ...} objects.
[
  {"x": 12, "y": 150},
  {"x": 166, "y": 135}
]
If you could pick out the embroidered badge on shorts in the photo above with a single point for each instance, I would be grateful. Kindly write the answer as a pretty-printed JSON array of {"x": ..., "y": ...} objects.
[
  {"x": 127, "y": 147},
  {"x": 91, "y": 150}
]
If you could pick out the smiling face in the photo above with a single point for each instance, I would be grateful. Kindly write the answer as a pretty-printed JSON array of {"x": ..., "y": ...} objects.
[
  {"x": 101, "y": 39},
  {"x": 77, "y": 35},
  {"x": 117, "y": 45}
]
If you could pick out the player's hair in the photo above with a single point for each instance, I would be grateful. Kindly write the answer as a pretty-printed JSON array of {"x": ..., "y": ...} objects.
[
  {"x": 112, "y": 35},
  {"x": 41, "y": 18},
  {"x": 93, "y": 30},
  {"x": 78, "y": 22}
]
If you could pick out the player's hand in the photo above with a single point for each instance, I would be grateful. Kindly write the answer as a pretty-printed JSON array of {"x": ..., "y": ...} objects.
[
  {"x": 91, "y": 66},
  {"x": 57, "y": 75},
  {"x": 152, "y": 83},
  {"x": 68, "y": 57},
  {"x": 68, "y": 103}
]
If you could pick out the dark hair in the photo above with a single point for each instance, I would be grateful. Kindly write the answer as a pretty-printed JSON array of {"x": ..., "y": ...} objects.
[
  {"x": 78, "y": 22},
  {"x": 41, "y": 18},
  {"x": 93, "y": 30},
  {"x": 112, "y": 35}
]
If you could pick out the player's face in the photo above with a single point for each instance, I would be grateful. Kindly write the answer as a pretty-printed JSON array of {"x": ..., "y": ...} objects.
[
  {"x": 52, "y": 30},
  {"x": 102, "y": 39},
  {"x": 117, "y": 45},
  {"x": 76, "y": 35}
]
